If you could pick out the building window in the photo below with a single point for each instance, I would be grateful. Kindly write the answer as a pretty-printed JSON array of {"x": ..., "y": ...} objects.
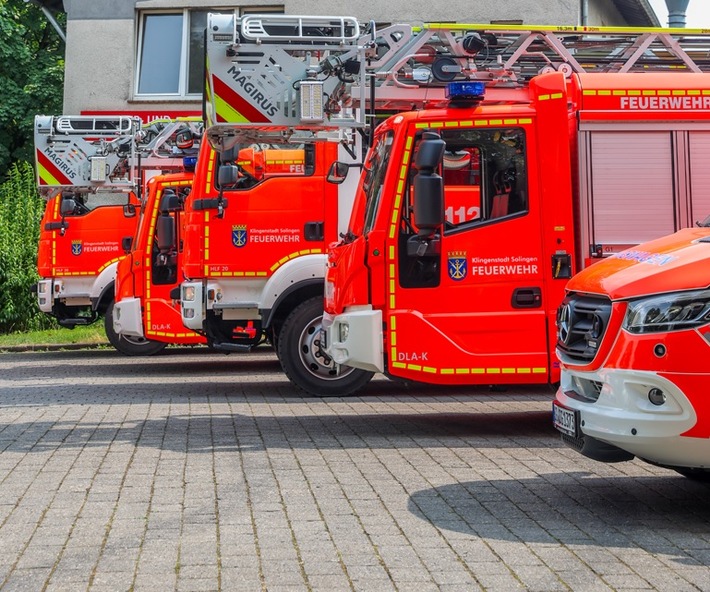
[{"x": 171, "y": 52}]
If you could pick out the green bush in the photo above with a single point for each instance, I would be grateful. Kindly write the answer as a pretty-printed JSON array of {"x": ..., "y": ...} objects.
[{"x": 21, "y": 210}]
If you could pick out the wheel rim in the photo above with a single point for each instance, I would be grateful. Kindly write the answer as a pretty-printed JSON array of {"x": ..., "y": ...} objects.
[{"x": 314, "y": 358}]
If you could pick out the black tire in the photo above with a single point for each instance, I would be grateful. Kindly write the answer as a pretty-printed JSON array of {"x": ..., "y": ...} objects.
[
  {"x": 129, "y": 346},
  {"x": 306, "y": 364},
  {"x": 700, "y": 475}
]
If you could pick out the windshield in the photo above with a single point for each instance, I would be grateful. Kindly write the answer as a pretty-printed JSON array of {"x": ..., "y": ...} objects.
[{"x": 374, "y": 175}]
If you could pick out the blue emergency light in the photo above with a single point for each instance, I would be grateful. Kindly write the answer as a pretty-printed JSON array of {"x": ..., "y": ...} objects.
[
  {"x": 189, "y": 163},
  {"x": 465, "y": 92}
]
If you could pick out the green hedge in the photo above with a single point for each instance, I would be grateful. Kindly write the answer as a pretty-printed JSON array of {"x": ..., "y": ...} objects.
[{"x": 21, "y": 210}]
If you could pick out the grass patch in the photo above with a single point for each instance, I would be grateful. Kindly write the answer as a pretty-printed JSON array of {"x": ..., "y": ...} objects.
[{"x": 93, "y": 334}]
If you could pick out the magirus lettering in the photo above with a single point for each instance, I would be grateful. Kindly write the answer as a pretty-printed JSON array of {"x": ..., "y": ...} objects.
[
  {"x": 61, "y": 165},
  {"x": 252, "y": 91}
]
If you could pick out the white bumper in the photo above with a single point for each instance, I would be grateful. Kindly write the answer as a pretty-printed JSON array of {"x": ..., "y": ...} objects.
[
  {"x": 624, "y": 416},
  {"x": 354, "y": 338},
  {"x": 72, "y": 291},
  {"x": 45, "y": 297},
  {"x": 128, "y": 317},
  {"x": 192, "y": 305}
]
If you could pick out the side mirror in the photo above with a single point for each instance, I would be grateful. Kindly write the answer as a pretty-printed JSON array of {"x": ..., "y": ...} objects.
[
  {"x": 428, "y": 203},
  {"x": 170, "y": 201},
  {"x": 126, "y": 244},
  {"x": 230, "y": 155},
  {"x": 68, "y": 206},
  {"x": 129, "y": 211},
  {"x": 165, "y": 233},
  {"x": 184, "y": 139},
  {"x": 338, "y": 172},
  {"x": 430, "y": 153},
  {"x": 428, "y": 184},
  {"x": 227, "y": 175}
]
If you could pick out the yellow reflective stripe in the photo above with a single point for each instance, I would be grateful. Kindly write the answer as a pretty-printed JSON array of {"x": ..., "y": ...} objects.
[
  {"x": 227, "y": 112},
  {"x": 287, "y": 258},
  {"x": 46, "y": 176}
]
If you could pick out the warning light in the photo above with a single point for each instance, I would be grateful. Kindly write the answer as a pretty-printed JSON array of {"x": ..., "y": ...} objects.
[
  {"x": 465, "y": 92},
  {"x": 189, "y": 163}
]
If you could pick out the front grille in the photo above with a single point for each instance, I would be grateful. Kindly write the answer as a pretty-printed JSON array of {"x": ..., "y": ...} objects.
[
  {"x": 581, "y": 324},
  {"x": 585, "y": 390}
]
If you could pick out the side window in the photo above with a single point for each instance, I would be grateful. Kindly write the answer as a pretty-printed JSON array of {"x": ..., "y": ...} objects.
[
  {"x": 259, "y": 162},
  {"x": 88, "y": 202},
  {"x": 484, "y": 180},
  {"x": 485, "y": 175}
]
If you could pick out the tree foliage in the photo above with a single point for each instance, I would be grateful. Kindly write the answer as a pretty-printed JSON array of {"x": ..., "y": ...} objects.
[
  {"x": 31, "y": 77},
  {"x": 21, "y": 210}
]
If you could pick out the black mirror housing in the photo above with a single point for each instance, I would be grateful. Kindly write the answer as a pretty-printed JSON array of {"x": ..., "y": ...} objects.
[
  {"x": 227, "y": 175},
  {"x": 338, "y": 172},
  {"x": 165, "y": 233},
  {"x": 430, "y": 153},
  {"x": 170, "y": 201},
  {"x": 428, "y": 202},
  {"x": 68, "y": 206}
]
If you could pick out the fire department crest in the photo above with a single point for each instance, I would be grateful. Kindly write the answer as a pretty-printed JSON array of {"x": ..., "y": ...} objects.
[
  {"x": 458, "y": 267},
  {"x": 239, "y": 235},
  {"x": 76, "y": 247}
]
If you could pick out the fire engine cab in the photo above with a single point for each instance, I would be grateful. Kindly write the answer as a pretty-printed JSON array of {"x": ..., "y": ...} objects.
[
  {"x": 431, "y": 286},
  {"x": 92, "y": 170}
]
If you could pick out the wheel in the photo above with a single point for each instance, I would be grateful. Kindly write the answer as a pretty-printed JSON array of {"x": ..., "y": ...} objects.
[
  {"x": 305, "y": 361},
  {"x": 129, "y": 345}
]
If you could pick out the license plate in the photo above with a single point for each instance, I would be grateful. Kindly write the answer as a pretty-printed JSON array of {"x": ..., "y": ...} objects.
[{"x": 565, "y": 420}]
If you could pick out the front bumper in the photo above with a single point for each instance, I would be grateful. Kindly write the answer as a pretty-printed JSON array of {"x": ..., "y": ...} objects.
[
  {"x": 614, "y": 407},
  {"x": 192, "y": 305},
  {"x": 128, "y": 317},
  {"x": 354, "y": 338},
  {"x": 45, "y": 296}
]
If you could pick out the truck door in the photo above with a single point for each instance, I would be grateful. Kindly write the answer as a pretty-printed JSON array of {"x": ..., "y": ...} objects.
[
  {"x": 88, "y": 235},
  {"x": 467, "y": 303},
  {"x": 276, "y": 212},
  {"x": 164, "y": 250}
]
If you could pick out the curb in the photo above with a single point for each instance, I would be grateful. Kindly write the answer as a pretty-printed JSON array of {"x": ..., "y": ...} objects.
[{"x": 49, "y": 347}]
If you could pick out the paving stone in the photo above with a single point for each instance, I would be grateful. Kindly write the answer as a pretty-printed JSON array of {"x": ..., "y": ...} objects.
[{"x": 195, "y": 471}]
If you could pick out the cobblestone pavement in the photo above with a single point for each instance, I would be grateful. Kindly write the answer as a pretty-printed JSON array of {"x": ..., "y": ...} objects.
[{"x": 198, "y": 471}]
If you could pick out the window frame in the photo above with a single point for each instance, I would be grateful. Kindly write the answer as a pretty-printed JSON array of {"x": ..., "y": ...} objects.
[{"x": 183, "y": 93}]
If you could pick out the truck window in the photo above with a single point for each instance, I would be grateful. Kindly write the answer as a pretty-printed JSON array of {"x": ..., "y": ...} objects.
[
  {"x": 485, "y": 176},
  {"x": 259, "y": 162},
  {"x": 375, "y": 169},
  {"x": 88, "y": 202}
]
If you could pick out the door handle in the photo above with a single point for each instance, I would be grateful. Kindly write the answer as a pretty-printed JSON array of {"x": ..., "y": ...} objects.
[{"x": 527, "y": 298}]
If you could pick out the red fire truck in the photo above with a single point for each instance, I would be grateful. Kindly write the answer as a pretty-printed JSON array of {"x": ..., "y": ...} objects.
[
  {"x": 470, "y": 297},
  {"x": 452, "y": 279},
  {"x": 261, "y": 213},
  {"x": 144, "y": 308},
  {"x": 143, "y": 319},
  {"x": 91, "y": 170}
]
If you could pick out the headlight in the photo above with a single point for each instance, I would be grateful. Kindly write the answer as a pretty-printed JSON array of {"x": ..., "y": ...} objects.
[
  {"x": 668, "y": 312},
  {"x": 42, "y": 287},
  {"x": 188, "y": 293},
  {"x": 344, "y": 331}
]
